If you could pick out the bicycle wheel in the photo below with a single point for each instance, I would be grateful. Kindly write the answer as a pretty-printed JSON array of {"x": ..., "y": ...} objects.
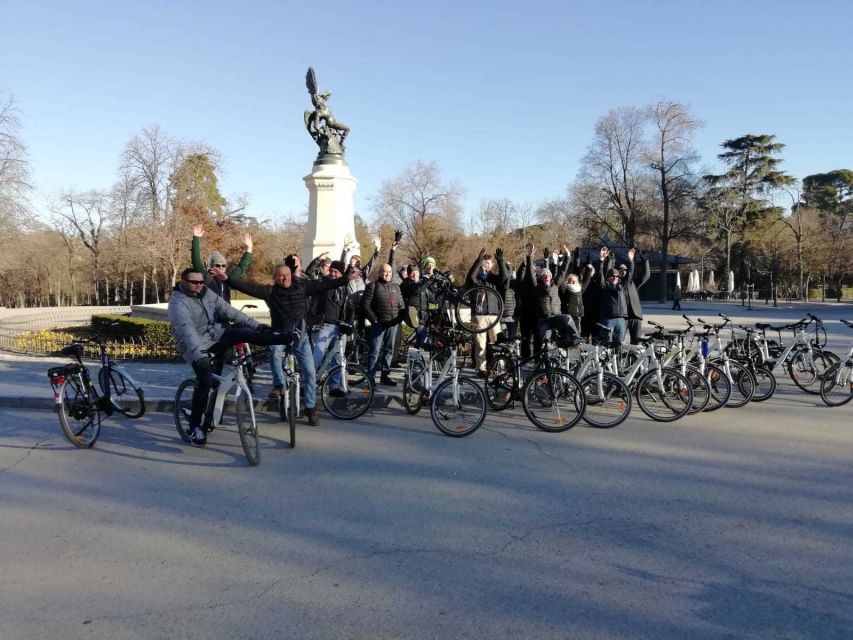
[
  {"x": 125, "y": 396},
  {"x": 79, "y": 419},
  {"x": 501, "y": 382},
  {"x": 765, "y": 384},
  {"x": 247, "y": 427},
  {"x": 359, "y": 393},
  {"x": 836, "y": 389},
  {"x": 665, "y": 397},
  {"x": 414, "y": 388},
  {"x": 808, "y": 376},
  {"x": 553, "y": 400},
  {"x": 741, "y": 382},
  {"x": 475, "y": 303},
  {"x": 458, "y": 408},
  {"x": 607, "y": 405},
  {"x": 183, "y": 408},
  {"x": 701, "y": 390},
  {"x": 719, "y": 386}
]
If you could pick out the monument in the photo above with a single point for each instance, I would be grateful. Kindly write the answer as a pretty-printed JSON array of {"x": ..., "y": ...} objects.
[{"x": 331, "y": 212}]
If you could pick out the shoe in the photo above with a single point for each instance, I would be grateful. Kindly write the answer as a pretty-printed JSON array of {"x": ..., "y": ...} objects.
[
  {"x": 199, "y": 437},
  {"x": 387, "y": 381},
  {"x": 338, "y": 393},
  {"x": 275, "y": 394},
  {"x": 313, "y": 418}
]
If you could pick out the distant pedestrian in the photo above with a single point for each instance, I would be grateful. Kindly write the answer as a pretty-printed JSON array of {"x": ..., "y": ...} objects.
[{"x": 676, "y": 298}]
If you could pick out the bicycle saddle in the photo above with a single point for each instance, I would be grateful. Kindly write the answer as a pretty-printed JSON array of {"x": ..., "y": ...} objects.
[
  {"x": 762, "y": 325},
  {"x": 74, "y": 350}
]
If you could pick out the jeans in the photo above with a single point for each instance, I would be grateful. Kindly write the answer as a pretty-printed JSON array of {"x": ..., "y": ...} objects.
[
  {"x": 421, "y": 334},
  {"x": 305, "y": 359},
  {"x": 322, "y": 338},
  {"x": 380, "y": 339},
  {"x": 619, "y": 327},
  {"x": 563, "y": 324}
]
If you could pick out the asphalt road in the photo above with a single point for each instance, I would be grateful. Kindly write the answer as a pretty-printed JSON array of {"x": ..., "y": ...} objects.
[{"x": 734, "y": 524}]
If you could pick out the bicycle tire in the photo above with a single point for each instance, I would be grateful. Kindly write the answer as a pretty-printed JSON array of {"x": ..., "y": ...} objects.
[
  {"x": 806, "y": 377},
  {"x": 719, "y": 385},
  {"x": 836, "y": 389},
  {"x": 125, "y": 396},
  {"x": 741, "y": 382},
  {"x": 183, "y": 407},
  {"x": 474, "y": 300},
  {"x": 413, "y": 399},
  {"x": 553, "y": 400},
  {"x": 668, "y": 402},
  {"x": 614, "y": 399},
  {"x": 79, "y": 419},
  {"x": 458, "y": 419},
  {"x": 501, "y": 382},
  {"x": 292, "y": 411},
  {"x": 765, "y": 384},
  {"x": 359, "y": 398},
  {"x": 247, "y": 427},
  {"x": 701, "y": 390}
]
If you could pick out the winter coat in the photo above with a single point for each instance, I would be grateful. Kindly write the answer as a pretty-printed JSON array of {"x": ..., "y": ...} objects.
[
  {"x": 635, "y": 308},
  {"x": 418, "y": 295},
  {"x": 330, "y": 306},
  {"x": 197, "y": 320},
  {"x": 492, "y": 280},
  {"x": 614, "y": 298},
  {"x": 382, "y": 302},
  {"x": 506, "y": 290}
]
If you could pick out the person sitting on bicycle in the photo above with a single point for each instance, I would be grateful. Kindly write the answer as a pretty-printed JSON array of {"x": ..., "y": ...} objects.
[
  {"x": 327, "y": 310},
  {"x": 544, "y": 293},
  {"x": 197, "y": 315},
  {"x": 417, "y": 295},
  {"x": 216, "y": 259},
  {"x": 287, "y": 300}
]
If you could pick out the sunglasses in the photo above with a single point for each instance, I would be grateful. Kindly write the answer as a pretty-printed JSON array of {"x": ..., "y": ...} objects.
[
  {"x": 222, "y": 266},
  {"x": 195, "y": 282}
]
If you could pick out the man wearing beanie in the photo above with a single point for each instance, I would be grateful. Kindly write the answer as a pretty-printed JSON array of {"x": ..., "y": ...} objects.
[
  {"x": 216, "y": 259},
  {"x": 429, "y": 267},
  {"x": 328, "y": 309},
  {"x": 614, "y": 299}
]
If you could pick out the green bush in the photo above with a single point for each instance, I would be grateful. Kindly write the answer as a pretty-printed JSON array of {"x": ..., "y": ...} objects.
[{"x": 153, "y": 332}]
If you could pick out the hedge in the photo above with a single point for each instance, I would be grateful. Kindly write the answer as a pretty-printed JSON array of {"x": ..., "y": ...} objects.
[{"x": 155, "y": 333}]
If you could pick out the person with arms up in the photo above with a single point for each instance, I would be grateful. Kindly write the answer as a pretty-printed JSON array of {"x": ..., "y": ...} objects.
[
  {"x": 635, "y": 308},
  {"x": 480, "y": 274},
  {"x": 216, "y": 259},
  {"x": 614, "y": 299}
]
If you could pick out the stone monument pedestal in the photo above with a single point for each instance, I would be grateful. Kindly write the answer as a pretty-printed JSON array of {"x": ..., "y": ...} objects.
[{"x": 331, "y": 210}]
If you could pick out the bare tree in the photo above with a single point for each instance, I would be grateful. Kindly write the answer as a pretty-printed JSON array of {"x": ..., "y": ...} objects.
[
  {"x": 14, "y": 168},
  {"x": 87, "y": 213}
]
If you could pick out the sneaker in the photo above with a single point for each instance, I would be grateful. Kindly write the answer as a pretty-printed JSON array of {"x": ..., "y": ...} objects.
[
  {"x": 338, "y": 393},
  {"x": 275, "y": 394},
  {"x": 313, "y": 418},
  {"x": 387, "y": 381},
  {"x": 199, "y": 437}
]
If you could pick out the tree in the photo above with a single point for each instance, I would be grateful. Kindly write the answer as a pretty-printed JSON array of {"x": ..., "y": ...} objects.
[
  {"x": 753, "y": 173},
  {"x": 613, "y": 184},
  {"x": 671, "y": 157},
  {"x": 14, "y": 168},
  {"x": 86, "y": 214},
  {"x": 831, "y": 194},
  {"x": 425, "y": 207}
]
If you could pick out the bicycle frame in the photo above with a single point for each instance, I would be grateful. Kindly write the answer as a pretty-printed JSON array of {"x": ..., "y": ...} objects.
[{"x": 234, "y": 378}]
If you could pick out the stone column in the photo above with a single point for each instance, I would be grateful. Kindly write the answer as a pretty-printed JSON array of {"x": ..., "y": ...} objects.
[{"x": 331, "y": 210}]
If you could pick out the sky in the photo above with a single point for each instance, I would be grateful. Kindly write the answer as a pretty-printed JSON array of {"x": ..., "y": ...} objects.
[{"x": 503, "y": 96}]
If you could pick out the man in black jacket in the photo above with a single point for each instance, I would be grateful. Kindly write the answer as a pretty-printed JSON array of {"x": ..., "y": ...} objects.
[
  {"x": 544, "y": 296},
  {"x": 382, "y": 304},
  {"x": 480, "y": 274},
  {"x": 417, "y": 297},
  {"x": 287, "y": 300},
  {"x": 614, "y": 299},
  {"x": 328, "y": 310},
  {"x": 635, "y": 308}
]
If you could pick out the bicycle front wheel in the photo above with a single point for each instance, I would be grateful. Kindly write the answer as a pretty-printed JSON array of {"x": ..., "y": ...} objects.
[
  {"x": 664, "y": 397},
  {"x": 719, "y": 385},
  {"x": 553, "y": 400},
  {"x": 500, "y": 382},
  {"x": 836, "y": 389},
  {"x": 741, "y": 381},
  {"x": 183, "y": 408},
  {"x": 353, "y": 398},
  {"x": 415, "y": 384},
  {"x": 80, "y": 421},
  {"x": 608, "y": 404},
  {"x": 247, "y": 426},
  {"x": 125, "y": 396},
  {"x": 477, "y": 303},
  {"x": 809, "y": 376},
  {"x": 701, "y": 390},
  {"x": 458, "y": 407},
  {"x": 765, "y": 384}
]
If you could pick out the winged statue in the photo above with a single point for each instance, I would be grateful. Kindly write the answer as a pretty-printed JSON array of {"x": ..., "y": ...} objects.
[{"x": 328, "y": 133}]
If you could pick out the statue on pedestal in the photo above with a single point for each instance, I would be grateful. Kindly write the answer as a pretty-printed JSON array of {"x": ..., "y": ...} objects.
[{"x": 328, "y": 133}]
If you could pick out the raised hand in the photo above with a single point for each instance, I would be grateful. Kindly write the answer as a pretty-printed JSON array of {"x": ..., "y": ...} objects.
[
  {"x": 604, "y": 252},
  {"x": 247, "y": 242},
  {"x": 198, "y": 231},
  {"x": 499, "y": 254},
  {"x": 218, "y": 273},
  {"x": 377, "y": 243},
  {"x": 631, "y": 253},
  {"x": 529, "y": 249}
]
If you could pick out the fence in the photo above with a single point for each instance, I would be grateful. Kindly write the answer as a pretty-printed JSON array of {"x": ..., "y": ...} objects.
[{"x": 39, "y": 332}]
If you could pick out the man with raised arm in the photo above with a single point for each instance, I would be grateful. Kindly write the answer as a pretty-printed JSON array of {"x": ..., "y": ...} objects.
[{"x": 216, "y": 259}]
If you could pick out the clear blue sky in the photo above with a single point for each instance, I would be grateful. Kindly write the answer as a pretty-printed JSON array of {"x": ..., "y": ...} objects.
[{"x": 502, "y": 95}]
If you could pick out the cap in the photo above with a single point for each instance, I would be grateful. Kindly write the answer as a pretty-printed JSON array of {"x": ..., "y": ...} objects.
[
  {"x": 337, "y": 264},
  {"x": 429, "y": 260}
]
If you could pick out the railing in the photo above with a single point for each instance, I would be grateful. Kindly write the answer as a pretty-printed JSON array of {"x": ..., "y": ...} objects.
[{"x": 39, "y": 332}]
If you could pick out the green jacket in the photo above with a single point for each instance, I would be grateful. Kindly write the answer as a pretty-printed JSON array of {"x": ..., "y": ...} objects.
[{"x": 217, "y": 286}]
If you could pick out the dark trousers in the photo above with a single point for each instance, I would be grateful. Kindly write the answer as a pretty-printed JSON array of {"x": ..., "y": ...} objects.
[
  {"x": 635, "y": 329},
  {"x": 564, "y": 324},
  {"x": 527, "y": 326},
  {"x": 204, "y": 368}
]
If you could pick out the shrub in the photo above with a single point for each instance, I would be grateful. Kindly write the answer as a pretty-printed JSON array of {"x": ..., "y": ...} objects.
[{"x": 155, "y": 333}]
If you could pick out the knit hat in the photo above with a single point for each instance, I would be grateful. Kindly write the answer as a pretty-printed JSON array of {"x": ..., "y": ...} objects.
[
  {"x": 337, "y": 264},
  {"x": 412, "y": 267},
  {"x": 613, "y": 272},
  {"x": 429, "y": 260},
  {"x": 216, "y": 258},
  {"x": 545, "y": 272},
  {"x": 622, "y": 267}
]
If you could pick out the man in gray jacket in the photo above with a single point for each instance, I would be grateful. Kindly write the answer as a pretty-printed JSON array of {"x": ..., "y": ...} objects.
[{"x": 197, "y": 314}]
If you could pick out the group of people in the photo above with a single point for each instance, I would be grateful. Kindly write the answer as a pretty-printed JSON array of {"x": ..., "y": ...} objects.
[{"x": 559, "y": 293}]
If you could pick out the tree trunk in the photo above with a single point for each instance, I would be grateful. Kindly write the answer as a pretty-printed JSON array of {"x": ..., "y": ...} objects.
[{"x": 144, "y": 285}]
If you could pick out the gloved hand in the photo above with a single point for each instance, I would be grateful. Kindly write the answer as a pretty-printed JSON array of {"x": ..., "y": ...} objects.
[
  {"x": 499, "y": 253},
  {"x": 398, "y": 235}
]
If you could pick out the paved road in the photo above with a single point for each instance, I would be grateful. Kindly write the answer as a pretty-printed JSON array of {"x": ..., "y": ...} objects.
[{"x": 735, "y": 524}]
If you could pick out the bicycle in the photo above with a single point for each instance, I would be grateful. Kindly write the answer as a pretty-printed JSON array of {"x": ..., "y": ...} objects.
[
  {"x": 247, "y": 425},
  {"x": 739, "y": 377},
  {"x": 345, "y": 389},
  {"x": 79, "y": 405},
  {"x": 289, "y": 401},
  {"x": 464, "y": 308},
  {"x": 836, "y": 388}
]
